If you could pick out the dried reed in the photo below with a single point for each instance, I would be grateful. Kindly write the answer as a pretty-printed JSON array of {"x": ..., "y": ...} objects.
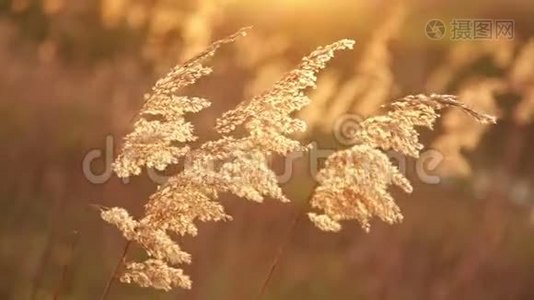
[{"x": 353, "y": 184}]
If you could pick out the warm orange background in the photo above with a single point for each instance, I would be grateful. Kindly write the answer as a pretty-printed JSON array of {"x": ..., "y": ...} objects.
[{"x": 69, "y": 78}]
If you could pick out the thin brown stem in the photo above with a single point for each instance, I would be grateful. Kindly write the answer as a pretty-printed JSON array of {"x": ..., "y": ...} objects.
[
  {"x": 280, "y": 252},
  {"x": 73, "y": 243},
  {"x": 116, "y": 270}
]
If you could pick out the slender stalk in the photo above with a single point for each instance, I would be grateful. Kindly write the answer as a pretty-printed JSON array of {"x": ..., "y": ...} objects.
[
  {"x": 116, "y": 270},
  {"x": 73, "y": 244},
  {"x": 279, "y": 253}
]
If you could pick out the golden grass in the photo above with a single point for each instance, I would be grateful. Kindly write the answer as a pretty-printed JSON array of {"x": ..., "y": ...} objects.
[{"x": 353, "y": 184}]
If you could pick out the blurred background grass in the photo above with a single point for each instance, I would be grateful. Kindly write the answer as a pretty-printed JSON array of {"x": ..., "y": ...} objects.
[{"x": 74, "y": 72}]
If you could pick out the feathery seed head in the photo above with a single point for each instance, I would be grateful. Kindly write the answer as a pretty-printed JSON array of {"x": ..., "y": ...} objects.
[
  {"x": 354, "y": 182},
  {"x": 159, "y": 143},
  {"x": 229, "y": 164}
]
